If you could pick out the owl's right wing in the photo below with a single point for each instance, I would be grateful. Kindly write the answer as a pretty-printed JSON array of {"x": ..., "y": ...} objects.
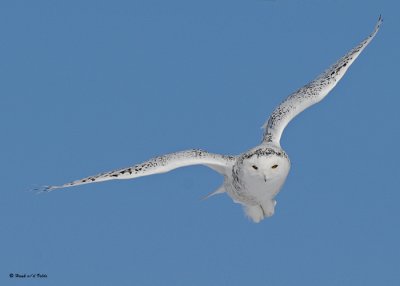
[{"x": 162, "y": 164}]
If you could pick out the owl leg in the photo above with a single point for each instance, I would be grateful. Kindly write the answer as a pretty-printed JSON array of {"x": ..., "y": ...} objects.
[
  {"x": 268, "y": 208},
  {"x": 255, "y": 213}
]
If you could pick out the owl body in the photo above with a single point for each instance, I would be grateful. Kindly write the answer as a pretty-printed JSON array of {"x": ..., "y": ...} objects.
[{"x": 257, "y": 177}]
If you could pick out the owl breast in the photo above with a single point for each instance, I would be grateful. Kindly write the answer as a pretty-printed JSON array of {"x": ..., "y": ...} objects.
[{"x": 252, "y": 187}]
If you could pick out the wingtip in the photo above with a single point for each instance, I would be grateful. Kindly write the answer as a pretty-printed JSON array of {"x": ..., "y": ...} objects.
[
  {"x": 379, "y": 23},
  {"x": 43, "y": 189},
  {"x": 377, "y": 26}
]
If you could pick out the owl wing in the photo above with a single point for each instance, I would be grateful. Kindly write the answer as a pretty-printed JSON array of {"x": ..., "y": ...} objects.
[
  {"x": 162, "y": 164},
  {"x": 312, "y": 92}
]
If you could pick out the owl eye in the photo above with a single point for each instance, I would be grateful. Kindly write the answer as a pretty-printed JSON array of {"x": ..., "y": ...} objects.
[
  {"x": 255, "y": 167},
  {"x": 274, "y": 166}
]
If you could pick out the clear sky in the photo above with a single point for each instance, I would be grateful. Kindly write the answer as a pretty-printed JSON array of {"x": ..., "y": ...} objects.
[{"x": 90, "y": 86}]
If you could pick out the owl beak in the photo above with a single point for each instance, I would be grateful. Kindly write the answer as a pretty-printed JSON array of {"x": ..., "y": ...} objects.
[{"x": 265, "y": 178}]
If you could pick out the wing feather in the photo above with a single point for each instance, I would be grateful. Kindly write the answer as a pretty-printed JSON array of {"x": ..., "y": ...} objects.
[
  {"x": 312, "y": 92},
  {"x": 158, "y": 165}
]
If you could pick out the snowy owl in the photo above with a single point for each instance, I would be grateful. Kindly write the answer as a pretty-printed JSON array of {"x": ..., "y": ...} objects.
[{"x": 255, "y": 177}]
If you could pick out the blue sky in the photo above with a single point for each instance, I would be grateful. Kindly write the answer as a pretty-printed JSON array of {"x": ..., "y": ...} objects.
[{"x": 90, "y": 86}]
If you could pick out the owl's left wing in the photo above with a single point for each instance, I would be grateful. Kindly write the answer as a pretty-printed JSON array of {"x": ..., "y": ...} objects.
[
  {"x": 312, "y": 92},
  {"x": 162, "y": 164}
]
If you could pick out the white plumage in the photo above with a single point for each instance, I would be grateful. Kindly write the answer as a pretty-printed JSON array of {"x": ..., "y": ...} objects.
[{"x": 255, "y": 177}]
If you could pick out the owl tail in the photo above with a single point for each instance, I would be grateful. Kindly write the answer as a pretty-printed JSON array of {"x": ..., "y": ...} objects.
[{"x": 220, "y": 190}]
